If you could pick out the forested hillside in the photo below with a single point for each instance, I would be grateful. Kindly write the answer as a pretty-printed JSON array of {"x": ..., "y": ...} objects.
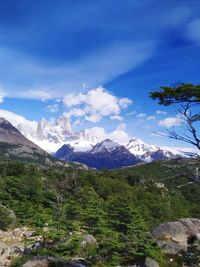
[{"x": 118, "y": 208}]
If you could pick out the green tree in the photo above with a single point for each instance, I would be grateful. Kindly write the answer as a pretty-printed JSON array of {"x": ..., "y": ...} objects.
[{"x": 187, "y": 98}]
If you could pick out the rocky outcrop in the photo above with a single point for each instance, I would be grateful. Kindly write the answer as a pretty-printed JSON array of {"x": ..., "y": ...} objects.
[
  {"x": 37, "y": 262},
  {"x": 12, "y": 244},
  {"x": 176, "y": 236},
  {"x": 150, "y": 263},
  {"x": 49, "y": 261},
  {"x": 10, "y": 134},
  {"x": 88, "y": 240}
]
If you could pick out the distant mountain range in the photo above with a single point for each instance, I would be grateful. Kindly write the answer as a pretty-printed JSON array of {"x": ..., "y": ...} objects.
[
  {"x": 106, "y": 154},
  {"x": 78, "y": 146}
]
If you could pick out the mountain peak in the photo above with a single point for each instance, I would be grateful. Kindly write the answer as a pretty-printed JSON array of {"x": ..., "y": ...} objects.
[
  {"x": 105, "y": 145},
  {"x": 4, "y": 121},
  {"x": 66, "y": 149},
  {"x": 6, "y": 125},
  {"x": 64, "y": 124},
  {"x": 139, "y": 148}
]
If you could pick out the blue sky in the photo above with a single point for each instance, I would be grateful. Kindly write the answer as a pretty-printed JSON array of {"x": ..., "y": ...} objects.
[{"x": 52, "y": 51}]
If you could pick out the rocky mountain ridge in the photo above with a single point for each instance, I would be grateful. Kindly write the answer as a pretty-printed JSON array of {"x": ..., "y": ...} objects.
[
  {"x": 110, "y": 154},
  {"x": 105, "y": 154},
  {"x": 51, "y": 136},
  {"x": 14, "y": 145},
  {"x": 10, "y": 134}
]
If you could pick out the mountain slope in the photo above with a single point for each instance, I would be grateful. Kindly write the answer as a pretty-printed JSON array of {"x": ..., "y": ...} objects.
[
  {"x": 9, "y": 134},
  {"x": 14, "y": 145},
  {"x": 48, "y": 135}
]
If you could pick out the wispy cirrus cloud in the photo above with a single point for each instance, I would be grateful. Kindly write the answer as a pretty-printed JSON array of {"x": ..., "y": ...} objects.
[
  {"x": 23, "y": 73},
  {"x": 161, "y": 112},
  {"x": 151, "y": 118},
  {"x": 193, "y": 30},
  {"x": 40, "y": 95},
  {"x": 141, "y": 115}
]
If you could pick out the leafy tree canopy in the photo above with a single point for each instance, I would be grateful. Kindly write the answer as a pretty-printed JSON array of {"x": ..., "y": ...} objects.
[{"x": 180, "y": 93}]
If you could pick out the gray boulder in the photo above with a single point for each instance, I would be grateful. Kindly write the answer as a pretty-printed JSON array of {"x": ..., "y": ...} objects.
[
  {"x": 4, "y": 252},
  {"x": 39, "y": 261},
  {"x": 150, "y": 263},
  {"x": 88, "y": 239},
  {"x": 175, "y": 236}
]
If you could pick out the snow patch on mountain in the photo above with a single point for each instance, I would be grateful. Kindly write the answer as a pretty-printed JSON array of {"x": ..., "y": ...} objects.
[
  {"x": 139, "y": 148},
  {"x": 105, "y": 146}
]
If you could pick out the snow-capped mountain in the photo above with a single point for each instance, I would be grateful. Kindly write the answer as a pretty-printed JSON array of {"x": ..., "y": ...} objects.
[
  {"x": 52, "y": 135},
  {"x": 106, "y": 145},
  {"x": 139, "y": 148},
  {"x": 148, "y": 152},
  {"x": 105, "y": 154}
]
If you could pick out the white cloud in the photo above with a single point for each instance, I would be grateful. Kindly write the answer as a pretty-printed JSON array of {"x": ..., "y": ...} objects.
[
  {"x": 25, "y": 126},
  {"x": 95, "y": 104},
  {"x": 118, "y": 135},
  {"x": 161, "y": 112},
  {"x": 124, "y": 102},
  {"x": 150, "y": 118},
  {"x": 141, "y": 115},
  {"x": 76, "y": 112},
  {"x": 116, "y": 117},
  {"x": 131, "y": 113},
  {"x": 99, "y": 132},
  {"x": 193, "y": 30},
  {"x": 53, "y": 108},
  {"x": 171, "y": 122},
  {"x": 121, "y": 126},
  {"x": 93, "y": 117}
]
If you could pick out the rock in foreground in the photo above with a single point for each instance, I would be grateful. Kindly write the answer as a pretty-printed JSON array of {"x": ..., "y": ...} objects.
[
  {"x": 49, "y": 261},
  {"x": 178, "y": 235}
]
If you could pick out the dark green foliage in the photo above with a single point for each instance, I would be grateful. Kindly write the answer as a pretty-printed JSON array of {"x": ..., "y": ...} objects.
[
  {"x": 192, "y": 256},
  {"x": 5, "y": 219},
  {"x": 180, "y": 93}
]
